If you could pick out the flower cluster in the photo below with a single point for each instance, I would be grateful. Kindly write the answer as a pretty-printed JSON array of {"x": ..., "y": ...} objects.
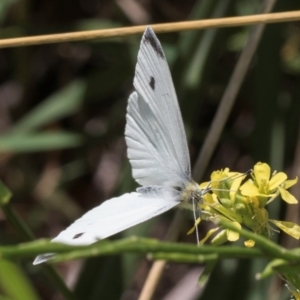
[{"x": 244, "y": 202}]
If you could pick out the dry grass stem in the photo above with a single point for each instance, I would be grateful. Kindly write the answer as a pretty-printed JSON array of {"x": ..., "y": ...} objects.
[{"x": 166, "y": 27}]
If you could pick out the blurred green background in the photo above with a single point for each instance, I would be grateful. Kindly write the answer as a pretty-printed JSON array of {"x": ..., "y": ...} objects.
[{"x": 62, "y": 118}]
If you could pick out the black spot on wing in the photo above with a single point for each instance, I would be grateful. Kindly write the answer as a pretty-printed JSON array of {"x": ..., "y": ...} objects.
[
  {"x": 152, "y": 83},
  {"x": 78, "y": 235},
  {"x": 150, "y": 191},
  {"x": 150, "y": 37}
]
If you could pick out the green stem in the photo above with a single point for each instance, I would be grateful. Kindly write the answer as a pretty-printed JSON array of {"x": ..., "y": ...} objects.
[
  {"x": 265, "y": 244},
  {"x": 128, "y": 245},
  {"x": 184, "y": 258}
]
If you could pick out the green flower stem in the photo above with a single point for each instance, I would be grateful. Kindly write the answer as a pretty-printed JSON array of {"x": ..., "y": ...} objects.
[
  {"x": 21, "y": 227},
  {"x": 184, "y": 258},
  {"x": 270, "y": 268},
  {"x": 128, "y": 245},
  {"x": 267, "y": 246},
  {"x": 145, "y": 246},
  {"x": 286, "y": 270}
]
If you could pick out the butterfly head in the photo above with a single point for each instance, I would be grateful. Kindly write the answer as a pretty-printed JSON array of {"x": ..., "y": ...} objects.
[{"x": 192, "y": 195}]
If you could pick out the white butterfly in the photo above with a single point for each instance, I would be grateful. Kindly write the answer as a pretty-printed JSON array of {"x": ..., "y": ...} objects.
[{"x": 157, "y": 150}]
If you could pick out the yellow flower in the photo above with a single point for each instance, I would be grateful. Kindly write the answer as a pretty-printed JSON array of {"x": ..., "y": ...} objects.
[
  {"x": 264, "y": 185},
  {"x": 225, "y": 184},
  {"x": 244, "y": 203}
]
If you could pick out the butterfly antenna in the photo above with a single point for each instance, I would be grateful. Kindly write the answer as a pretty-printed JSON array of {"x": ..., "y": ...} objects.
[
  {"x": 195, "y": 220},
  {"x": 229, "y": 178},
  {"x": 233, "y": 176},
  {"x": 240, "y": 175}
]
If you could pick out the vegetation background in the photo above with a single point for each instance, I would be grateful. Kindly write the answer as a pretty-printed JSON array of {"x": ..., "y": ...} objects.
[{"x": 62, "y": 118}]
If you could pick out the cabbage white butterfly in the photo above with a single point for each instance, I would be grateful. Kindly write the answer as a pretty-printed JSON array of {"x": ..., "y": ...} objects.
[{"x": 157, "y": 150}]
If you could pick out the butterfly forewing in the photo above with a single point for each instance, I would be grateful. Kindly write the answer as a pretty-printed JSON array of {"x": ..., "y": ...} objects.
[{"x": 154, "y": 122}]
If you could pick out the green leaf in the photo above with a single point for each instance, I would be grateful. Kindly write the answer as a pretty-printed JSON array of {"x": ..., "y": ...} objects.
[
  {"x": 4, "y": 7},
  {"x": 39, "y": 141},
  {"x": 94, "y": 283},
  {"x": 4, "y": 298},
  {"x": 94, "y": 24},
  {"x": 14, "y": 283},
  {"x": 61, "y": 104},
  {"x": 193, "y": 76},
  {"x": 5, "y": 194}
]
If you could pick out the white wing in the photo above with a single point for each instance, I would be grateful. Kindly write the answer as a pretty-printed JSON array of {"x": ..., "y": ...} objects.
[
  {"x": 111, "y": 217},
  {"x": 155, "y": 136},
  {"x": 157, "y": 150}
]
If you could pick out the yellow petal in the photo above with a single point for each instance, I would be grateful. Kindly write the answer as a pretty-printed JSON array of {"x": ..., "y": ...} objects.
[
  {"x": 290, "y": 183},
  {"x": 217, "y": 178},
  {"x": 204, "y": 185},
  {"x": 219, "y": 175},
  {"x": 293, "y": 289},
  {"x": 208, "y": 235},
  {"x": 249, "y": 189},
  {"x": 290, "y": 228},
  {"x": 277, "y": 180},
  {"x": 191, "y": 230},
  {"x": 295, "y": 294},
  {"x": 235, "y": 186},
  {"x": 249, "y": 243},
  {"x": 194, "y": 227},
  {"x": 262, "y": 172},
  {"x": 287, "y": 196},
  {"x": 209, "y": 199},
  {"x": 233, "y": 236}
]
